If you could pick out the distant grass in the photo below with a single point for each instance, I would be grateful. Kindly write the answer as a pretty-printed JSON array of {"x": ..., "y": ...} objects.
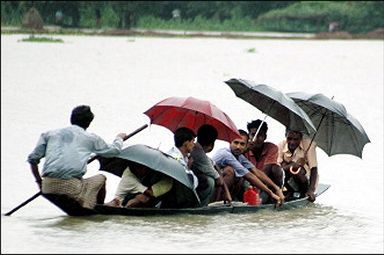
[
  {"x": 32, "y": 38},
  {"x": 251, "y": 50}
]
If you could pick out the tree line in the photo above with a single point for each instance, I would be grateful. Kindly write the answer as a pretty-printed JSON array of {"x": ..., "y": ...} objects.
[{"x": 283, "y": 16}]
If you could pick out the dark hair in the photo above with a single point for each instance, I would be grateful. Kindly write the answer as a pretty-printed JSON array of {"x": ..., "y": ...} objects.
[
  {"x": 182, "y": 135},
  {"x": 243, "y": 132},
  {"x": 294, "y": 131},
  {"x": 82, "y": 116},
  {"x": 206, "y": 135},
  {"x": 256, "y": 124}
]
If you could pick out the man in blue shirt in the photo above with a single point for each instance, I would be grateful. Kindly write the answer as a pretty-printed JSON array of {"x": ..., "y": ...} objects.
[
  {"x": 236, "y": 166},
  {"x": 66, "y": 152}
]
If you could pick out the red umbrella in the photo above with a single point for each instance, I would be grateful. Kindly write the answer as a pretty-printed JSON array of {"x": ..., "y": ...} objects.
[{"x": 175, "y": 112}]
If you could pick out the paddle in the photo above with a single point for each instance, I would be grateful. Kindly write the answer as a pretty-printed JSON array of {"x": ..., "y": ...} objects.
[
  {"x": 24, "y": 203},
  {"x": 89, "y": 161}
]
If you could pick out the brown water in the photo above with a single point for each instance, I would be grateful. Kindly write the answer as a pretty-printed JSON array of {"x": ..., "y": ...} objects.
[{"x": 121, "y": 77}]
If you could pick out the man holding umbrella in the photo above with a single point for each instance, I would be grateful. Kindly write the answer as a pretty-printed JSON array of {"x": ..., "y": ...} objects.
[
  {"x": 263, "y": 154},
  {"x": 297, "y": 156}
]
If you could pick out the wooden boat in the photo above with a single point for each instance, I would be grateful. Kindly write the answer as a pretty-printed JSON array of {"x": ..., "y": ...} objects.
[{"x": 72, "y": 208}]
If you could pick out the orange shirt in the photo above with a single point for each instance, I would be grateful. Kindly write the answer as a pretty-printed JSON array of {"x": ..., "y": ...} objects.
[{"x": 268, "y": 156}]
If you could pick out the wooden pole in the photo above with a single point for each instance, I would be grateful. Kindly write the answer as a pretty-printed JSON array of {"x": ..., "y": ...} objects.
[{"x": 24, "y": 203}]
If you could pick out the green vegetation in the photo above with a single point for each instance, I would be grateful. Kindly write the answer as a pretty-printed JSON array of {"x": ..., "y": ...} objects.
[
  {"x": 251, "y": 50},
  {"x": 314, "y": 16},
  {"x": 33, "y": 38},
  {"x": 198, "y": 23},
  {"x": 281, "y": 16}
]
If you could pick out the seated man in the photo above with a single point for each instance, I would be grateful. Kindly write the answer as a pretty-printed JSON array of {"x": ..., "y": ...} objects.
[
  {"x": 236, "y": 166},
  {"x": 263, "y": 154},
  {"x": 140, "y": 187},
  {"x": 299, "y": 164},
  {"x": 202, "y": 165},
  {"x": 184, "y": 141},
  {"x": 66, "y": 152}
]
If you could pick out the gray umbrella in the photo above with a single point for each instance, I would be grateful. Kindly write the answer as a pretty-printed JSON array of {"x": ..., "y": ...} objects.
[
  {"x": 337, "y": 131},
  {"x": 273, "y": 103},
  {"x": 150, "y": 157}
]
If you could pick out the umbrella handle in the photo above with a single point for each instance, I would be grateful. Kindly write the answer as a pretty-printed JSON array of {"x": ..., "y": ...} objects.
[
  {"x": 293, "y": 171},
  {"x": 258, "y": 129}
]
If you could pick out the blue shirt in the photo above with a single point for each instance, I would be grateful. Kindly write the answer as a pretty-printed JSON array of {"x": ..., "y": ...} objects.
[
  {"x": 224, "y": 157},
  {"x": 67, "y": 151}
]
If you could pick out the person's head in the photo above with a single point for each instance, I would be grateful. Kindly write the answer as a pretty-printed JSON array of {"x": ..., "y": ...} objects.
[
  {"x": 239, "y": 145},
  {"x": 184, "y": 138},
  {"x": 82, "y": 116},
  {"x": 293, "y": 139},
  {"x": 206, "y": 137},
  {"x": 261, "y": 136}
]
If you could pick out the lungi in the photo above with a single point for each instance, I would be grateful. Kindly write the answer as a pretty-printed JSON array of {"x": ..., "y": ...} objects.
[{"x": 83, "y": 191}]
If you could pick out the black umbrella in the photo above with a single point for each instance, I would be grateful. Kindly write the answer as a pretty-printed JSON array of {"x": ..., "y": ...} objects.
[
  {"x": 273, "y": 103},
  {"x": 338, "y": 132}
]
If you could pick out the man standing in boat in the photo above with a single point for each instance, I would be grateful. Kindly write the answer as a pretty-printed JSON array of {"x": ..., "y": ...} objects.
[
  {"x": 236, "y": 166},
  {"x": 297, "y": 157},
  {"x": 67, "y": 151}
]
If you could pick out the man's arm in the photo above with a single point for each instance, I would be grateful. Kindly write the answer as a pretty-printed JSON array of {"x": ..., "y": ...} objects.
[
  {"x": 36, "y": 174},
  {"x": 255, "y": 181},
  {"x": 312, "y": 184},
  {"x": 265, "y": 179},
  {"x": 108, "y": 150}
]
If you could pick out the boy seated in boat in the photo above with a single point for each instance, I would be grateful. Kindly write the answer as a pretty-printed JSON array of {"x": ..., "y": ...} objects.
[
  {"x": 297, "y": 156},
  {"x": 180, "y": 197}
]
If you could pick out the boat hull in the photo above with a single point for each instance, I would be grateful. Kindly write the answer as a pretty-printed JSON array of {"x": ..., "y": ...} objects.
[{"x": 72, "y": 208}]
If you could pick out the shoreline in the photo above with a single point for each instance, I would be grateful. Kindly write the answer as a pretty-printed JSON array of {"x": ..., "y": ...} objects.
[{"x": 378, "y": 34}]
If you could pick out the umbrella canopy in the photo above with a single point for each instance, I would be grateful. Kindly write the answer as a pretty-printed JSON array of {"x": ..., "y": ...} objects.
[
  {"x": 190, "y": 112},
  {"x": 150, "y": 157},
  {"x": 337, "y": 131},
  {"x": 273, "y": 103}
]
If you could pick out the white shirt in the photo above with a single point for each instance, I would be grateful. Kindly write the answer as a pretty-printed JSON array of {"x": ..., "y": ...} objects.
[{"x": 176, "y": 154}]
